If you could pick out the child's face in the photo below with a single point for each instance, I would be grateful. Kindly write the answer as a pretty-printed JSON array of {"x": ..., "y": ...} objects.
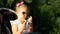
[{"x": 22, "y": 13}]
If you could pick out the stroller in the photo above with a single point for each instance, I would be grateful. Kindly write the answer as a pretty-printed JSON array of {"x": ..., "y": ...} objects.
[{"x": 5, "y": 16}]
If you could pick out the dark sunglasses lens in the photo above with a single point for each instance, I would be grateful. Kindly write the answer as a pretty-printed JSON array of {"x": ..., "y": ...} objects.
[{"x": 23, "y": 12}]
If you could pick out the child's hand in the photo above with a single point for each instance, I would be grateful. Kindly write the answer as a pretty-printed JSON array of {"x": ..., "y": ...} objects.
[
  {"x": 30, "y": 19},
  {"x": 23, "y": 25}
]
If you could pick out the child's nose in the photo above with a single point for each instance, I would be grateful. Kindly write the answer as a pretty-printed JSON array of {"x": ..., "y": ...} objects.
[{"x": 25, "y": 15}]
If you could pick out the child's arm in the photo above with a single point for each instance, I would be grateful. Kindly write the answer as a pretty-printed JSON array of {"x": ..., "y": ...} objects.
[
  {"x": 30, "y": 28},
  {"x": 15, "y": 28}
]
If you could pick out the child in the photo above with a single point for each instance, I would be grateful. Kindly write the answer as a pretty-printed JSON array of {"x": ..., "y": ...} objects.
[{"x": 21, "y": 25}]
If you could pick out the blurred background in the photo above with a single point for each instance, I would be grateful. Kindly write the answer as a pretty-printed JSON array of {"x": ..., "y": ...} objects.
[{"x": 46, "y": 14}]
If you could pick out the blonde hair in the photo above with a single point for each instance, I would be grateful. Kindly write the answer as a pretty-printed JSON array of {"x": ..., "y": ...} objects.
[{"x": 22, "y": 6}]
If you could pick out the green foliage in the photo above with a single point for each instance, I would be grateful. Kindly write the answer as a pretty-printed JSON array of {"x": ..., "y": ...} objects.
[
  {"x": 28, "y": 1},
  {"x": 9, "y": 2},
  {"x": 46, "y": 14}
]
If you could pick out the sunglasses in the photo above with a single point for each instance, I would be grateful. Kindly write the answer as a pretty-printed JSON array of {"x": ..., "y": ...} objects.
[{"x": 23, "y": 12}]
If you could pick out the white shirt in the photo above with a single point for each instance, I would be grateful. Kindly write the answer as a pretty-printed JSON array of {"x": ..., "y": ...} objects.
[{"x": 19, "y": 24}]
